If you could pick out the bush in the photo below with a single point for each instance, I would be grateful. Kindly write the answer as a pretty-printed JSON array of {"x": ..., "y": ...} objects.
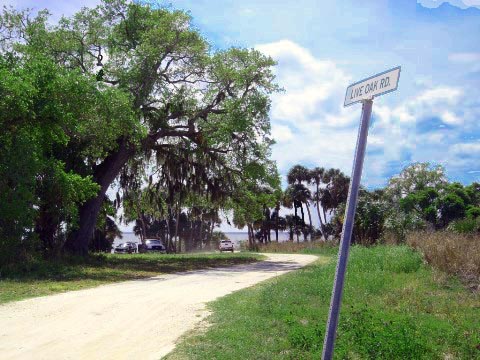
[
  {"x": 467, "y": 225},
  {"x": 473, "y": 212}
]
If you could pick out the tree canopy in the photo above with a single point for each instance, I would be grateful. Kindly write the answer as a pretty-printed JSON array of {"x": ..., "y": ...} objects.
[{"x": 121, "y": 92}]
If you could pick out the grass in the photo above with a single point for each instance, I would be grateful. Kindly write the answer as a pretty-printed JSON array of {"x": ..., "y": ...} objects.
[
  {"x": 289, "y": 247},
  {"x": 41, "y": 277},
  {"x": 393, "y": 308},
  {"x": 454, "y": 253}
]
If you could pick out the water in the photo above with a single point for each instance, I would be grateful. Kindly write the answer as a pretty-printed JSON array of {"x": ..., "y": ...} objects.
[{"x": 235, "y": 237}]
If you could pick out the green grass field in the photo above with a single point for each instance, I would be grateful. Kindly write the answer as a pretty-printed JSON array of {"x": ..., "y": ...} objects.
[
  {"x": 39, "y": 278},
  {"x": 394, "y": 307}
]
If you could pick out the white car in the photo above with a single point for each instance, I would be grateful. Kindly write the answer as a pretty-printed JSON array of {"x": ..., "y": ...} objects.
[
  {"x": 155, "y": 245},
  {"x": 226, "y": 245}
]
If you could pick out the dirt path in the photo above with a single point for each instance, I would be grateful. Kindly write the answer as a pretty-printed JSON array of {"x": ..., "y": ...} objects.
[{"x": 139, "y": 319}]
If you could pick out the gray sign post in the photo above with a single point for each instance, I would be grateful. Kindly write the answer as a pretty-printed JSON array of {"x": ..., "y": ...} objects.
[{"x": 363, "y": 91}]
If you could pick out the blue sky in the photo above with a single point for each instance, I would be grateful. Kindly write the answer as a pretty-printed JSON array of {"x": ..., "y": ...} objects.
[{"x": 322, "y": 46}]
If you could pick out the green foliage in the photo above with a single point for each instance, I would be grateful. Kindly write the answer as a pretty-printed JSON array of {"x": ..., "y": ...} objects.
[
  {"x": 369, "y": 219},
  {"x": 467, "y": 225},
  {"x": 451, "y": 207},
  {"x": 473, "y": 212},
  {"x": 416, "y": 177},
  {"x": 40, "y": 108}
]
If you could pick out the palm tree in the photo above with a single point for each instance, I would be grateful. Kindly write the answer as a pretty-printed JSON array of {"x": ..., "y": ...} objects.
[
  {"x": 299, "y": 194},
  {"x": 335, "y": 191},
  {"x": 276, "y": 219},
  {"x": 298, "y": 174},
  {"x": 303, "y": 195},
  {"x": 290, "y": 222}
]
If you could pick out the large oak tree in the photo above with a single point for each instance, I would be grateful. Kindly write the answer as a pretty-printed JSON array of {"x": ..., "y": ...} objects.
[{"x": 183, "y": 95}]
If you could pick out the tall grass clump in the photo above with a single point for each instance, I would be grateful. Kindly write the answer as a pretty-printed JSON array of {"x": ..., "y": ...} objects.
[{"x": 453, "y": 252}]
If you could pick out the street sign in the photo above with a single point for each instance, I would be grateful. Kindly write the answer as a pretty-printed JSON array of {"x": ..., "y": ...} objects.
[
  {"x": 363, "y": 91},
  {"x": 373, "y": 86}
]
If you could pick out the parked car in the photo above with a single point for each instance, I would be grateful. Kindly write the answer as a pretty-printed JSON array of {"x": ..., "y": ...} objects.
[
  {"x": 155, "y": 245},
  {"x": 126, "y": 248},
  {"x": 226, "y": 245}
]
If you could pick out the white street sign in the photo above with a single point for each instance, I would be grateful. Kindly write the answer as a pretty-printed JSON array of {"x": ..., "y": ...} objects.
[{"x": 376, "y": 85}]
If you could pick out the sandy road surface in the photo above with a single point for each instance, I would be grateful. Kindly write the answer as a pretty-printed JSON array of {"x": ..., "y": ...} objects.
[{"x": 139, "y": 319}]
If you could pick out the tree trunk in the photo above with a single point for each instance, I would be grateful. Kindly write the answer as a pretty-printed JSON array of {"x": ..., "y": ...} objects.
[
  {"x": 276, "y": 223},
  {"x": 251, "y": 236},
  {"x": 211, "y": 233},
  {"x": 168, "y": 235},
  {"x": 144, "y": 229},
  {"x": 171, "y": 231},
  {"x": 104, "y": 175},
  {"x": 309, "y": 219},
  {"x": 190, "y": 237},
  {"x": 296, "y": 218},
  {"x": 178, "y": 246},
  {"x": 319, "y": 216},
  {"x": 303, "y": 222},
  {"x": 303, "y": 214}
]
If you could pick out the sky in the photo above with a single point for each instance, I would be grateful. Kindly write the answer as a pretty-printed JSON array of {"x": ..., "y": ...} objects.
[{"x": 323, "y": 46}]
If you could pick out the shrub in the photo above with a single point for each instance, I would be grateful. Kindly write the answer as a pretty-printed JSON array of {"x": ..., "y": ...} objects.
[
  {"x": 467, "y": 225},
  {"x": 473, "y": 212}
]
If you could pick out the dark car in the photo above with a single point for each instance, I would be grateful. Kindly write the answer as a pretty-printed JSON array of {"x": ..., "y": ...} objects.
[
  {"x": 155, "y": 245},
  {"x": 126, "y": 248}
]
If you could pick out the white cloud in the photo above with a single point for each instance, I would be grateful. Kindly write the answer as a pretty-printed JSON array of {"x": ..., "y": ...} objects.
[
  {"x": 469, "y": 61},
  {"x": 466, "y": 148},
  {"x": 472, "y": 2},
  {"x": 313, "y": 128},
  {"x": 462, "y": 4},
  {"x": 281, "y": 133},
  {"x": 247, "y": 12},
  {"x": 309, "y": 83},
  {"x": 434, "y": 102},
  {"x": 464, "y": 57}
]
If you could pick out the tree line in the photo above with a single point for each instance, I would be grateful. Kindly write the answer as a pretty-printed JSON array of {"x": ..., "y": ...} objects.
[{"x": 419, "y": 198}]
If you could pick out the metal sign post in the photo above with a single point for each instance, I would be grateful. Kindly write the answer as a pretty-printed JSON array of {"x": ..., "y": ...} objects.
[{"x": 363, "y": 91}]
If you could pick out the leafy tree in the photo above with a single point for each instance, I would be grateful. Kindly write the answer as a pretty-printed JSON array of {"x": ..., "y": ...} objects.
[
  {"x": 177, "y": 92},
  {"x": 40, "y": 106},
  {"x": 423, "y": 202},
  {"x": 252, "y": 198},
  {"x": 451, "y": 207},
  {"x": 369, "y": 218},
  {"x": 416, "y": 177}
]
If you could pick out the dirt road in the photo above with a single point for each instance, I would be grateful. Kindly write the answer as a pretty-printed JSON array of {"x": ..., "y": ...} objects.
[{"x": 139, "y": 319}]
